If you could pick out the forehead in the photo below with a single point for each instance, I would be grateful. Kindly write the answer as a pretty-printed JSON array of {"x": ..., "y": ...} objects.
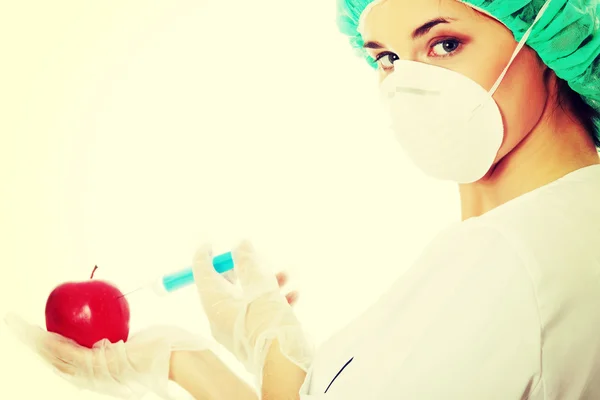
[{"x": 404, "y": 15}]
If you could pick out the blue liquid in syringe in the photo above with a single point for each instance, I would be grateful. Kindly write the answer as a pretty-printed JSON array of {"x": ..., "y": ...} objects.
[{"x": 185, "y": 277}]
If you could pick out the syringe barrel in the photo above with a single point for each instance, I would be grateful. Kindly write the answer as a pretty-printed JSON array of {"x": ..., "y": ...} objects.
[{"x": 185, "y": 277}]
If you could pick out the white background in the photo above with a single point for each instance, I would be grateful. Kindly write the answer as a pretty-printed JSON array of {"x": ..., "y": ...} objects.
[{"x": 132, "y": 131}]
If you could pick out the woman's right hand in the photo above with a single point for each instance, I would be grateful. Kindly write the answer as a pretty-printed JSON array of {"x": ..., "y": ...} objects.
[
  {"x": 129, "y": 370},
  {"x": 126, "y": 370}
]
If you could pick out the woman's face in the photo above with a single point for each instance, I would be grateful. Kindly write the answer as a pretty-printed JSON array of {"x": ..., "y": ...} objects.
[{"x": 451, "y": 35}]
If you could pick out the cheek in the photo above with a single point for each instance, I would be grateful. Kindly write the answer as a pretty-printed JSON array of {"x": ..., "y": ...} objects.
[{"x": 521, "y": 97}]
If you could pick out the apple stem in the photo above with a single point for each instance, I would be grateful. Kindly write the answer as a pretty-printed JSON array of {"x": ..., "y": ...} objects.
[{"x": 95, "y": 268}]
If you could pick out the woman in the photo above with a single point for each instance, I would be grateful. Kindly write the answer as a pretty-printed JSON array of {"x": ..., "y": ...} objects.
[{"x": 502, "y": 305}]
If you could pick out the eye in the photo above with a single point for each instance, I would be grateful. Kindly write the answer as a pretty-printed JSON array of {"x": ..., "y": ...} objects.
[
  {"x": 386, "y": 60},
  {"x": 445, "y": 48}
]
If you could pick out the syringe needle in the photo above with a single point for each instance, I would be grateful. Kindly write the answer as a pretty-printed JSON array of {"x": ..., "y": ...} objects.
[{"x": 133, "y": 291}]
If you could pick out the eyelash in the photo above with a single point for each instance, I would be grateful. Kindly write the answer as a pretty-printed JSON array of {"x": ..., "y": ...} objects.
[
  {"x": 459, "y": 44},
  {"x": 378, "y": 57}
]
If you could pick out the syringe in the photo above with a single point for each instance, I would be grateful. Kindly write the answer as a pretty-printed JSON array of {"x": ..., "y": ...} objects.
[{"x": 185, "y": 277}]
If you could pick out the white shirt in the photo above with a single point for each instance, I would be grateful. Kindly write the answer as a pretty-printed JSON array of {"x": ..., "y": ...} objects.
[{"x": 504, "y": 306}]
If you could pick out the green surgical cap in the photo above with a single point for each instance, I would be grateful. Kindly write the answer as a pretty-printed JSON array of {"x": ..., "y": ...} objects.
[{"x": 567, "y": 37}]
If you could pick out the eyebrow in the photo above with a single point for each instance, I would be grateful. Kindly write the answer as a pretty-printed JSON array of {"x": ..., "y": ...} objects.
[{"x": 417, "y": 33}]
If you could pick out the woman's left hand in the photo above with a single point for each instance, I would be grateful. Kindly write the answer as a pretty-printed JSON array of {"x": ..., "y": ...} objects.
[{"x": 248, "y": 317}]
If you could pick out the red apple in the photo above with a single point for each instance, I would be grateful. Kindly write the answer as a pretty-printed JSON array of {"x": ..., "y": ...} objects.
[{"x": 88, "y": 312}]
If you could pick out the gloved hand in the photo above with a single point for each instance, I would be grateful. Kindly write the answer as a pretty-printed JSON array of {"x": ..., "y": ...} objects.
[
  {"x": 247, "y": 318},
  {"x": 123, "y": 370}
]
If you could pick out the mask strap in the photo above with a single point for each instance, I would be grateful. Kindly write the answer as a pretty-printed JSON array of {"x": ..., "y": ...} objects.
[{"x": 519, "y": 47}]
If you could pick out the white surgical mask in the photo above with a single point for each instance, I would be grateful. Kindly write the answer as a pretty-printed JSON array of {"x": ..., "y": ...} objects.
[{"x": 448, "y": 125}]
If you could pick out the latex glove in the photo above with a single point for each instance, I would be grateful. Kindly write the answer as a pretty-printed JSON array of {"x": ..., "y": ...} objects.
[
  {"x": 246, "y": 319},
  {"x": 123, "y": 370}
]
